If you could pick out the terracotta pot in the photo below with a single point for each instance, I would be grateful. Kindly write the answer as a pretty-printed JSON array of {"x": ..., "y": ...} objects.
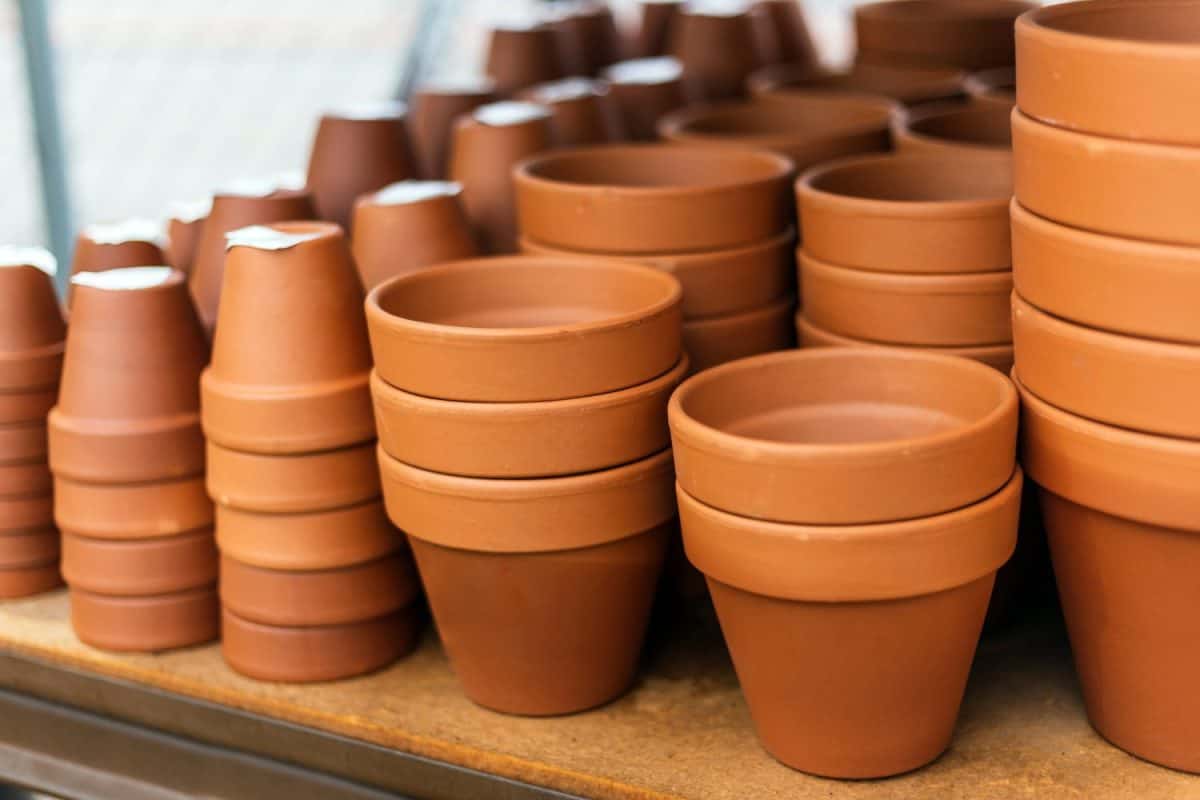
[
  {"x": 972, "y": 35},
  {"x": 1123, "y": 285},
  {"x": 26, "y": 513},
  {"x": 132, "y": 511},
  {"x": 356, "y": 151},
  {"x": 519, "y": 329},
  {"x": 710, "y": 341},
  {"x": 944, "y": 129},
  {"x": 25, "y": 407},
  {"x": 129, "y": 408},
  {"x": 587, "y": 35},
  {"x": 904, "y": 84},
  {"x": 433, "y": 108},
  {"x": 321, "y": 597},
  {"x": 997, "y": 87},
  {"x": 836, "y": 436},
  {"x": 794, "y": 44},
  {"x": 131, "y": 243},
  {"x": 320, "y": 653},
  {"x": 317, "y": 540},
  {"x": 719, "y": 47},
  {"x": 657, "y": 19},
  {"x": 807, "y": 128},
  {"x": 293, "y": 483},
  {"x": 653, "y": 198},
  {"x": 140, "y": 568},
  {"x": 26, "y": 581},
  {"x": 522, "y": 54},
  {"x": 274, "y": 386},
  {"x": 1123, "y": 188},
  {"x": 909, "y": 214},
  {"x": 145, "y": 624},
  {"x": 31, "y": 325},
  {"x": 25, "y": 478},
  {"x": 32, "y": 549},
  {"x": 184, "y": 229},
  {"x": 486, "y": 146},
  {"x": 852, "y": 645},
  {"x": 1121, "y": 512},
  {"x": 956, "y": 310},
  {"x": 578, "y": 111},
  {"x": 717, "y": 282},
  {"x": 644, "y": 90},
  {"x": 23, "y": 443}
]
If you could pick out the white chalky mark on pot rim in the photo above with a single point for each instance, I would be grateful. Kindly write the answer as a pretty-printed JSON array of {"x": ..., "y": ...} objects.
[
  {"x": 135, "y": 229},
  {"x": 124, "y": 279},
  {"x": 291, "y": 180},
  {"x": 717, "y": 8},
  {"x": 405, "y": 192},
  {"x": 567, "y": 89},
  {"x": 378, "y": 109},
  {"x": 262, "y": 237},
  {"x": 646, "y": 71},
  {"x": 509, "y": 112},
  {"x": 36, "y": 257},
  {"x": 190, "y": 210}
]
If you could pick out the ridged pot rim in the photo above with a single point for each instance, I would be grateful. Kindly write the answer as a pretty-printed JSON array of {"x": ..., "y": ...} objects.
[
  {"x": 670, "y": 262},
  {"x": 989, "y": 354},
  {"x": 959, "y": 283},
  {"x": 1034, "y": 23},
  {"x": 905, "y": 119}
]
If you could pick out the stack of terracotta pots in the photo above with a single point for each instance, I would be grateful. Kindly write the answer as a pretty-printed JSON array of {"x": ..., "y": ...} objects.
[
  {"x": 850, "y": 509},
  {"x": 1106, "y": 256},
  {"x": 521, "y": 407},
  {"x": 31, "y": 351},
  {"x": 128, "y": 461},
  {"x": 716, "y": 219},
  {"x": 315, "y": 582}
]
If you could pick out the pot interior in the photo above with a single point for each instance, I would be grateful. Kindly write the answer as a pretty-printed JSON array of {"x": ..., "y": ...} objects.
[
  {"x": 1164, "y": 23},
  {"x": 920, "y": 179},
  {"x": 655, "y": 167},
  {"x": 973, "y": 125}
]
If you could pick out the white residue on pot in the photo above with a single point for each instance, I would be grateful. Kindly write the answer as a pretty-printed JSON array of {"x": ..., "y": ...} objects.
[
  {"x": 717, "y": 8},
  {"x": 567, "y": 89},
  {"x": 290, "y": 180},
  {"x": 190, "y": 210},
  {"x": 457, "y": 85},
  {"x": 518, "y": 21},
  {"x": 415, "y": 191},
  {"x": 36, "y": 257},
  {"x": 379, "y": 109},
  {"x": 262, "y": 237},
  {"x": 509, "y": 112},
  {"x": 124, "y": 279},
  {"x": 647, "y": 71},
  {"x": 136, "y": 229}
]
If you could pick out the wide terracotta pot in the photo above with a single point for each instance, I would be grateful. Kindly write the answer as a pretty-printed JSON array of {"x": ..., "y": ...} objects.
[
  {"x": 29, "y": 549},
  {"x": 579, "y": 111},
  {"x": 32, "y": 332},
  {"x": 658, "y": 17},
  {"x": 130, "y": 243},
  {"x": 971, "y": 35},
  {"x": 145, "y": 624},
  {"x": 909, "y": 214},
  {"x": 910, "y": 85},
  {"x": 26, "y": 513},
  {"x": 953, "y": 129},
  {"x": 716, "y": 282},
  {"x": 653, "y": 198},
  {"x": 996, "y": 87},
  {"x": 522, "y": 54},
  {"x": 27, "y": 581},
  {"x": 710, "y": 341},
  {"x": 129, "y": 405},
  {"x": 520, "y": 328},
  {"x": 719, "y": 46},
  {"x": 644, "y": 90},
  {"x": 833, "y": 436},
  {"x": 140, "y": 568},
  {"x": 24, "y": 478},
  {"x": 131, "y": 511},
  {"x": 562, "y": 572},
  {"x": 1124, "y": 188},
  {"x": 23, "y": 443},
  {"x": 853, "y": 644},
  {"x": 275, "y": 386},
  {"x": 807, "y": 127},
  {"x": 426, "y": 215},
  {"x": 432, "y": 110},
  {"x": 954, "y": 310},
  {"x": 587, "y": 35},
  {"x": 184, "y": 229},
  {"x": 292, "y": 483},
  {"x": 1121, "y": 511}
]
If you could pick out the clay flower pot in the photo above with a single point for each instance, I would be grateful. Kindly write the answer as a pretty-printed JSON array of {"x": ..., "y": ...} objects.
[
  {"x": 26, "y": 581},
  {"x": 184, "y": 228},
  {"x": 24, "y": 407},
  {"x": 426, "y": 215},
  {"x": 795, "y": 426},
  {"x": 522, "y": 53},
  {"x": 719, "y": 45},
  {"x": 433, "y": 108},
  {"x": 717, "y": 282},
  {"x": 644, "y": 90},
  {"x": 19, "y": 479},
  {"x": 23, "y": 443},
  {"x": 578, "y": 111},
  {"x": 710, "y": 341},
  {"x": 945, "y": 129},
  {"x": 338, "y": 537},
  {"x": 518, "y": 329},
  {"x": 32, "y": 331},
  {"x": 140, "y": 568},
  {"x": 562, "y": 572},
  {"x": 129, "y": 406},
  {"x": 972, "y": 35},
  {"x": 954, "y": 310},
  {"x": 807, "y": 128},
  {"x": 904, "y": 84},
  {"x": 653, "y": 198},
  {"x": 26, "y": 513},
  {"x": 793, "y": 43},
  {"x": 587, "y": 34},
  {"x": 131, "y": 511},
  {"x": 275, "y": 386},
  {"x": 131, "y": 243},
  {"x": 292, "y": 483},
  {"x": 355, "y": 151},
  {"x": 29, "y": 549},
  {"x": 1121, "y": 513},
  {"x": 658, "y": 17},
  {"x": 486, "y": 145},
  {"x": 852, "y": 644},
  {"x": 996, "y": 87},
  {"x": 145, "y": 624},
  {"x": 910, "y": 214}
]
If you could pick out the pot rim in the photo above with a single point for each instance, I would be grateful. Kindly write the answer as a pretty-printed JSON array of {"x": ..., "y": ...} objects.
[
  {"x": 673, "y": 125},
  {"x": 1064, "y": 138},
  {"x": 781, "y": 305},
  {"x": 905, "y": 118},
  {"x": 1033, "y": 23},
  {"x": 899, "y": 11},
  {"x": 1100, "y": 239},
  {"x": 991, "y": 83},
  {"x": 987, "y": 353},
  {"x": 957, "y": 283},
  {"x": 667, "y": 262}
]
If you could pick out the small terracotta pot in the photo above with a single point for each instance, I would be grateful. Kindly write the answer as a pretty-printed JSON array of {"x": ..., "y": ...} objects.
[
  {"x": 129, "y": 408},
  {"x": 132, "y": 243},
  {"x": 26, "y": 407},
  {"x": 719, "y": 48},
  {"x": 275, "y": 386},
  {"x": 485, "y": 147},
  {"x": 904, "y": 84},
  {"x": 25, "y": 478},
  {"x": 184, "y": 229},
  {"x": 26, "y": 513},
  {"x": 518, "y": 328},
  {"x": 807, "y": 128},
  {"x": 578, "y": 111},
  {"x": 710, "y": 341},
  {"x": 32, "y": 332},
  {"x": 145, "y": 624},
  {"x": 521, "y": 55},
  {"x": 355, "y": 151},
  {"x": 317, "y": 540},
  {"x": 971, "y": 35},
  {"x": 835, "y": 436},
  {"x": 321, "y": 597},
  {"x": 794, "y": 43},
  {"x": 140, "y": 568},
  {"x": 653, "y": 198},
  {"x": 644, "y": 90},
  {"x": 432, "y": 111},
  {"x": 996, "y": 87},
  {"x": 23, "y": 443},
  {"x": 587, "y": 34},
  {"x": 292, "y": 483},
  {"x": 317, "y": 653},
  {"x": 909, "y": 214},
  {"x": 32, "y": 549},
  {"x": 852, "y": 645},
  {"x": 958, "y": 310},
  {"x": 27, "y": 581},
  {"x": 944, "y": 129},
  {"x": 131, "y": 511},
  {"x": 658, "y": 17}
]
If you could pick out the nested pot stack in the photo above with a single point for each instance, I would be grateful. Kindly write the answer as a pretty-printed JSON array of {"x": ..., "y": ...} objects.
[
  {"x": 521, "y": 409},
  {"x": 1107, "y": 340},
  {"x": 316, "y": 584}
]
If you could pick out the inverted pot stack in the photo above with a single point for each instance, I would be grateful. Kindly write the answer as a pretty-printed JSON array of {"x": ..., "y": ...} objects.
[
  {"x": 315, "y": 582},
  {"x": 1106, "y": 258},
  {"x": 521, "y": 407}
]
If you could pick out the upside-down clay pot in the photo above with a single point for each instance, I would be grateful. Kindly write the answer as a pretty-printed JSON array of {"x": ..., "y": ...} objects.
[
  {"x": 355, "y": 151},
  {"x": 709, "y": 341},
  {"x": 519, "y": 328},
  {"x": 909, "y": 214},
  {"x": 133, "y": 510},
  {"x": 719, "y": 46},
  {"x": 592, "y": 545},
  {"x": 184, "y": 228},
  {"x": 32, "y": 331},
  {"x": 784, "y": 436},
  {"x": 486, "y": 145},
  {"x": 427, "y": 216},
  {"x": 794, "y": 44},
  {"x": 338, "y": 537},
  {"x": 132, "y": 243},
  {"x": 145, "y": 624},
  {"x": 292, "y": 483},
  {"x": 951, "y": 310},
  {"x": 29, "y": 548},
  {"x": 140, "y": 568},
  {"x": 26, "y": 581},
  {"x": 523, "y": 54},
  {"x": 129, "y": 407},
  {"x": 587, "y": 35},
  {"x": 275, "y": 386},
  {"x": 853, "y": 644},
  {"x": 953, "y": 129},
  {"x": 971, "y": 34},
  {"x": 904, "y": 84},
  {"x": 653, "y": 31},
  {"x": 578, "y": 111},
  {"x": 997, "y": 87},
  {"x": 644, "y": 90},
  {"x": 653, "y": 198},
  {"x": 433, "y": 108}
]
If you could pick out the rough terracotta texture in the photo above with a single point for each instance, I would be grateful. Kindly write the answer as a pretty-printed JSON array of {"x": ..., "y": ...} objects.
[
  {"x": 905, "y": 84},
  {"x": 432, "y": 110},
  {"x": 953, "y": 129},
  {"x": 710, "y": 341},
  {"x": 971, "y": 35}
]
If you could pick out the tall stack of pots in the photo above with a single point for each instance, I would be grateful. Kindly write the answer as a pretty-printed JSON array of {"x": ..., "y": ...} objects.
[
  {"x": 521, "y": 408},
  {"x": 1106, "y": 255}
]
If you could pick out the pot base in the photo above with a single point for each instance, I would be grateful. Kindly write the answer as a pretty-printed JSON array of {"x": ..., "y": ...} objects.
[{"x": 145, "y": 624}]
